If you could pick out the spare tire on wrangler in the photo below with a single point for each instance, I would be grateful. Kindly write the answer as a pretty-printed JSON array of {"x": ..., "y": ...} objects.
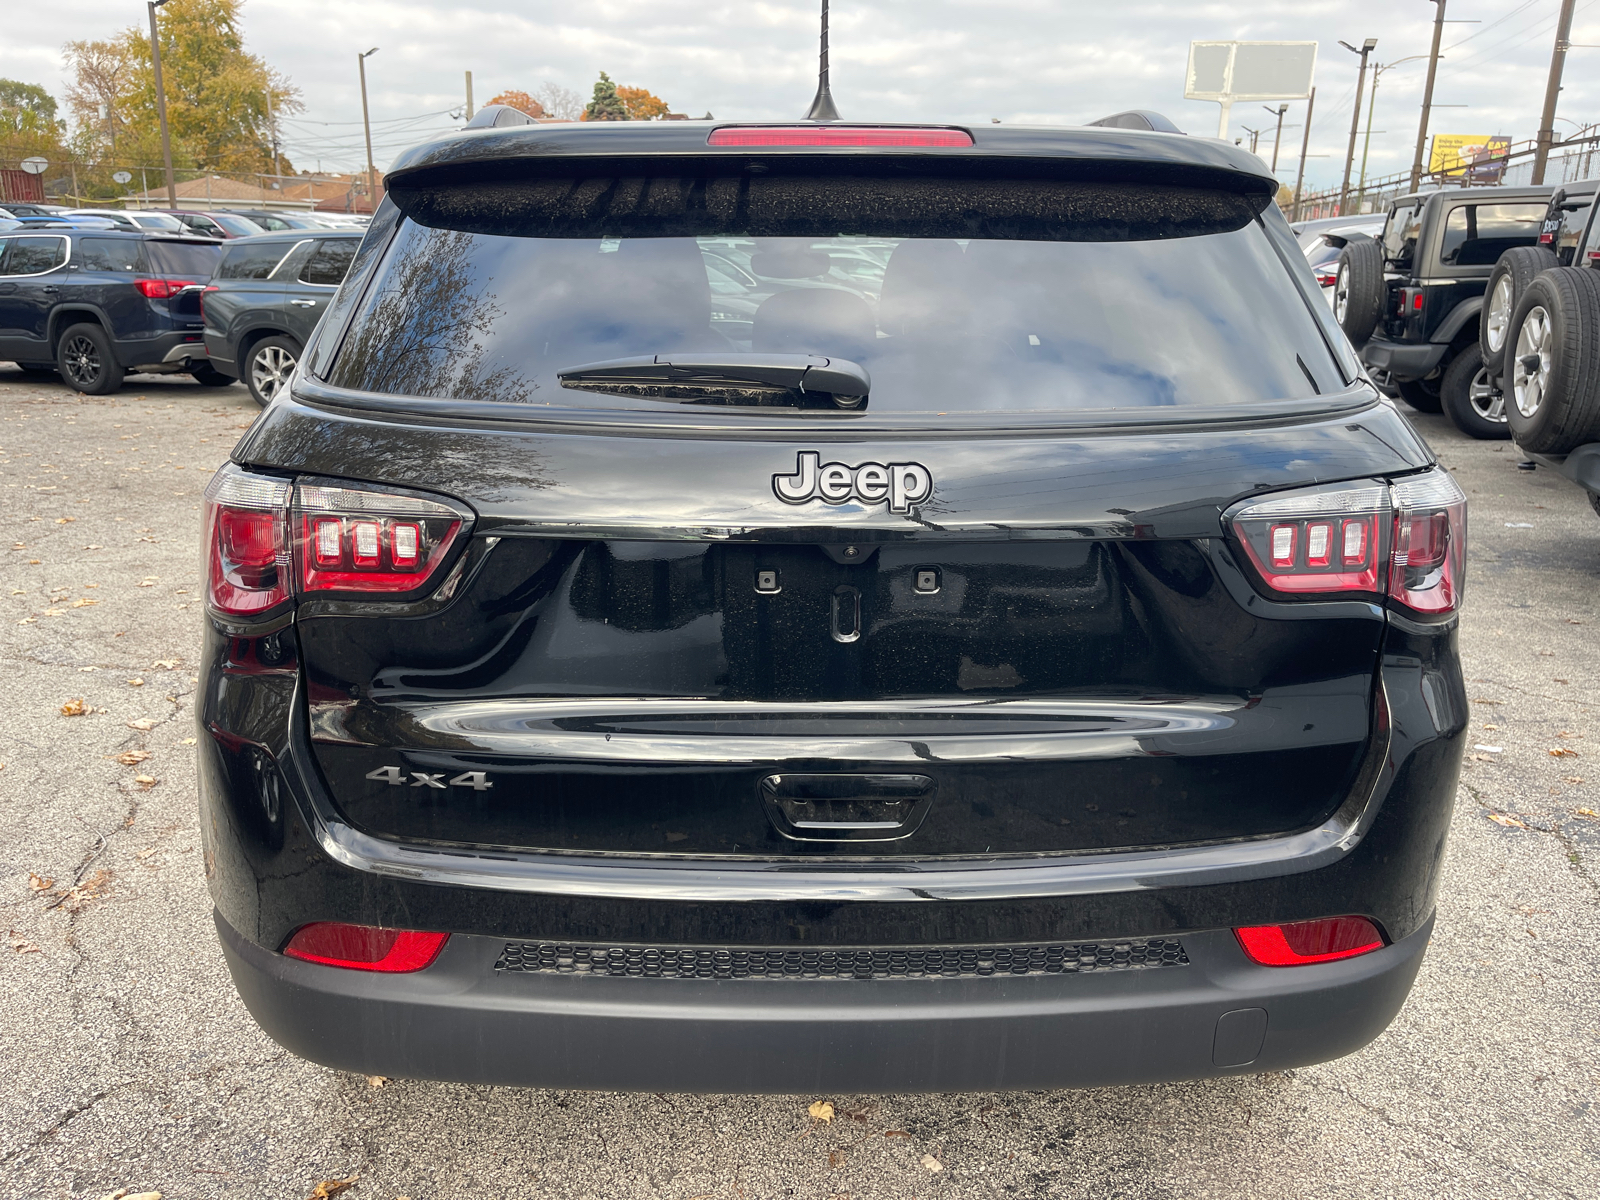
[
  {"x": 1359, "y": 290},
  {"x": 1507, "y": 282},
  {"x": 1553, "y": 362}
]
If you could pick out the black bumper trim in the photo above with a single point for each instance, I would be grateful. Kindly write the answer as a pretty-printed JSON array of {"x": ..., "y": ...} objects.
[{"x": 463, "y": 1021}]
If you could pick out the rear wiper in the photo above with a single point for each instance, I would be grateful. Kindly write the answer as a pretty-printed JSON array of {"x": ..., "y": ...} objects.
[{"x": 745, "y": 380}]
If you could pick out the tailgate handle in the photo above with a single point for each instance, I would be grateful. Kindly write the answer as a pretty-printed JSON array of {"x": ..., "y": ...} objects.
[{"x": 847, "y": 807}]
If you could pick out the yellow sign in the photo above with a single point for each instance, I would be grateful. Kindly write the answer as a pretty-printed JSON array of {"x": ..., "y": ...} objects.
[{"x": 1479, "y": 157}]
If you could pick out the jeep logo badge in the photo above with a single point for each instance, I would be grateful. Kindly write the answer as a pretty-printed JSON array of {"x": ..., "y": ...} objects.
[{"x": 901, "y": 484}]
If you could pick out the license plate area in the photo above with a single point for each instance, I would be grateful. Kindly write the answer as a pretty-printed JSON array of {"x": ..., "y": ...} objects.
[{"x": 846, "y": 807}]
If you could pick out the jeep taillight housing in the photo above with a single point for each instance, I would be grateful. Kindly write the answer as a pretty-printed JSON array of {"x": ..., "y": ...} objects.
[
  {"x": 352, "y": 539},
  {"x": 1405, "y": 540},
  {"x": 268, "y": 540},
  {"x": 247, "y": 543}
]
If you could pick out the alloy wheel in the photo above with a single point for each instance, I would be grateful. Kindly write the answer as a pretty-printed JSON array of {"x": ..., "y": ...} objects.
[
  {"x": 81, "y": 360},
  {"x": 270, "y": 368},
  {"x": 1488, "y": 401},
  {"x": 1341, "y": 295},
  {"x": 1498, "y": 319},
  {"x": 1530, "y": 375}
]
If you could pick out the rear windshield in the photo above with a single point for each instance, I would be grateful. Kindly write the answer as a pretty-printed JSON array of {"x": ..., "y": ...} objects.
[
  {"x": 252, "y": 260},
  {"x": 189, "y": 259},
  {"x": 953, "y": 295},
  {"x": 1400, "y": 232},
  {"x": 1476, "y": 235}
]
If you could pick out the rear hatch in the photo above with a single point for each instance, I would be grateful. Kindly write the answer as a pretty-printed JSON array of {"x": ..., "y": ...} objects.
[{"x": 760, "y": 506}]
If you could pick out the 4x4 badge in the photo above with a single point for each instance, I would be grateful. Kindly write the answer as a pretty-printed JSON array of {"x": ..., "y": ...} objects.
[{"x": 901, "y": 484}]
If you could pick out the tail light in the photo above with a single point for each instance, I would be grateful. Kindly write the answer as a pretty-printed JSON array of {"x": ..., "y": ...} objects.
[
  {"x": 161, "y": 289},
  {"x": 1327, "y": 278},
  {"x": 365, "y": 947},
  {"x": 1405, "y": 540},
  {"x": 835, "y": 135},
  {"x": 247, "y": 543},
  {"x": 267, "y": 540},
  {"x": 1303, "y": 942},
  {"x": 356, "y": 540}
]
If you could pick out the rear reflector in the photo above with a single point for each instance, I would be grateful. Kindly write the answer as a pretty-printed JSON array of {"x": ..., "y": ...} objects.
[
  {"x": 161, "y": 289},
  {"x": 365, "y": 947},
  {"x": 1305, "y": 942},
  {"x": 1405, "y": 540},
  {"x": 835, "y": 135},
  {"x": 355, "y": 540},
  {"x": 247, "y": 543}
]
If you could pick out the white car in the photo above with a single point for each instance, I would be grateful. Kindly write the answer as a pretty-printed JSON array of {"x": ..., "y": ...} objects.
[{"x": 1322, "y": 250}]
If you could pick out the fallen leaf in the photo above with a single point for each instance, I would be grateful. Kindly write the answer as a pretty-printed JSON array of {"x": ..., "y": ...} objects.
[
  {"x": 1508, "y": 822},
  {"x": 1562, "y": 752},
  {"x": 836, "y": 1158},
  {"x": 65, "y": 520},
  {"x": 1587, "y": 812},
  {"x": 166, "y": 663},
  {"x": 190, "y": 741},
  {"x": 142, "y": 725},
  {"x": 83, "y": 602},
  {"x": 21, "y": 944},
  {"x": 895, "y": 1133},
  {"x": 146, "y": 781},
  {"x": 74, "y": 707},
  {"x": 132, "y": 758},
  {"x": 377, "y": 1080},
  {"x": 821, "y": 1110},
  {"x": 1572, "y": 779},
  {"x": 932, "y": 1163},
  {"x": 332, "y": 1187},
  {"x": 39, "y": 883},
  {"x": 135, "y": 683}
]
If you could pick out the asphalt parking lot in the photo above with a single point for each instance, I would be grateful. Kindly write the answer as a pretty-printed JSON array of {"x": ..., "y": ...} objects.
[{"x": 130, "y": 1062}]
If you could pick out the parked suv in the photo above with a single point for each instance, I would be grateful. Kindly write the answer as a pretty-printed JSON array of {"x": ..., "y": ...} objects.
[
  {"x": 1411, "y": 300},
  {"x": 266, "y": 298},
  {"x": 96, "y": 304},
  {"x": 1040, "y": 671},
  {"x": 1551, "y": 344}
]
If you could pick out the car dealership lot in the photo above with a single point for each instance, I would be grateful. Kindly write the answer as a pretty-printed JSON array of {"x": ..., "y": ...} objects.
[{"x": 133, "y": 1063}]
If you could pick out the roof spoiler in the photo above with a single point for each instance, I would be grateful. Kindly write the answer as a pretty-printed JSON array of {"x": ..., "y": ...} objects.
[
  {"x": 498, "y": 116},
  {"x": 1138, "y": 118}
]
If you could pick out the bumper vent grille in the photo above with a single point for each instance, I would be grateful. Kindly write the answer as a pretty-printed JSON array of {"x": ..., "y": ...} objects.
[{"x": 877, "y": 962}]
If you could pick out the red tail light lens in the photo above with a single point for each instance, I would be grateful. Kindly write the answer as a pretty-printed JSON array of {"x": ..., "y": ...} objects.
[
  {"x": 161, "y": 289},
  {"x": 1303, "y": 942},
  {"x": 247, "y": 543},
  {"x": 355, "y": 540},
  {"x": 1406, "y": 541},
  {"x": 365, "y": 947},
  {"x": 835, "y": 135},
  {"x": 1429, "y": 563}
]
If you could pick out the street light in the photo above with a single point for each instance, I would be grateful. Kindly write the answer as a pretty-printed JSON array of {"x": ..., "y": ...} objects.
[
  {"x": 1372, "y": 102},
  {"x": 1278, "y": 134},
  {"x": 161, "y": 102},
  {"x": 366, "y": 125},
  {"x": 1355, "y": 117}
]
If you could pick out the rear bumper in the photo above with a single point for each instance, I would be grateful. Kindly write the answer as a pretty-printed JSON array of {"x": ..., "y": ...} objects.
[
  {"x": 163, "y": 349},
  {"x": 461, "y": 1020},
  {"x": 1404, "y": 361}
]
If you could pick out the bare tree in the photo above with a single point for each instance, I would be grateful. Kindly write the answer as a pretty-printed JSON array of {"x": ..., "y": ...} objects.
[{"x": 558, "y": 101}]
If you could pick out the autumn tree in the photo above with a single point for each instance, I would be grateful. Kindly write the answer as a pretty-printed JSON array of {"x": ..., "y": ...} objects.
[
  {"x": 520, "y": 101},
  {"x": 98, "y": 77},
  {"x": 28, "y": 122},
  {"x": 641, "y": 105},
  {"x": 606, "y": 105},
  {"x": 217, "y": 95}
]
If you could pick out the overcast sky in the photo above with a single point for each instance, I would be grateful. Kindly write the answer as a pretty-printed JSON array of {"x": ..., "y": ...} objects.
[{"x": 1027, "y": 61}]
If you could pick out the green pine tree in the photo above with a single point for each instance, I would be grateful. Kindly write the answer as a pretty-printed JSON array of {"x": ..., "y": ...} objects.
[{"x": 606, "y": 105}]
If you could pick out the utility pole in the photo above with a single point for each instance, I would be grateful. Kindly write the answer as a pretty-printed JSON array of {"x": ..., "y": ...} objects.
[
  {"x": 1366, "y": 145},
  {"x": 1277, "y": 136},
  {"x": 1355, "y": 118},
  {"x": 1305, "y": 146},
  {"x": 1255, "y": 135},
  {"x": 161, "y": 102},
  {"x": 1552, "y": 92},
  {"x": 366, "y": 125},
  {"x": 1427, "y": 95},
  {"x": 272, "y": 130},
  {"x": 469, "y": 95}
]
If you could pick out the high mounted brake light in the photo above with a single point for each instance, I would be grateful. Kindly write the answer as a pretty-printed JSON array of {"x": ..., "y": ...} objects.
[
  {"x": 835, "y": 135},
  {"x": 1405, "y": 541}
]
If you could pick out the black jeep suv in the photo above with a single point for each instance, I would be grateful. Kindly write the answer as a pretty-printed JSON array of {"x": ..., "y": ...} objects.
[
  {"x": 266, "y": 298},
  {"x": 1033, "y": 667},
  {"x": 96, "y": 304},
  {"x": 1412, "y": 299}
]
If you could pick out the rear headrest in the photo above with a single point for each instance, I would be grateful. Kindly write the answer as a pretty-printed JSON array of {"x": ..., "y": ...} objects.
[
  {"x": 923, "y": 286},
  {"x": 825, "y": 321}
]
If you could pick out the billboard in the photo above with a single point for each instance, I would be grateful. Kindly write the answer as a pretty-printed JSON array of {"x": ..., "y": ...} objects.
[
  {"x": 1468, "y": 157},
  {"x": 1228, "y": 72}
]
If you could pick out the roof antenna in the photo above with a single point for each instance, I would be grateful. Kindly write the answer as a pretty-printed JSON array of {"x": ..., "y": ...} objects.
[{"x": 822, "y": 108}]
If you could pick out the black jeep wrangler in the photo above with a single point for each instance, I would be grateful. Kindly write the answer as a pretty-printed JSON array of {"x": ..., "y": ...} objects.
[{"x": 1411, "y": 300}]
